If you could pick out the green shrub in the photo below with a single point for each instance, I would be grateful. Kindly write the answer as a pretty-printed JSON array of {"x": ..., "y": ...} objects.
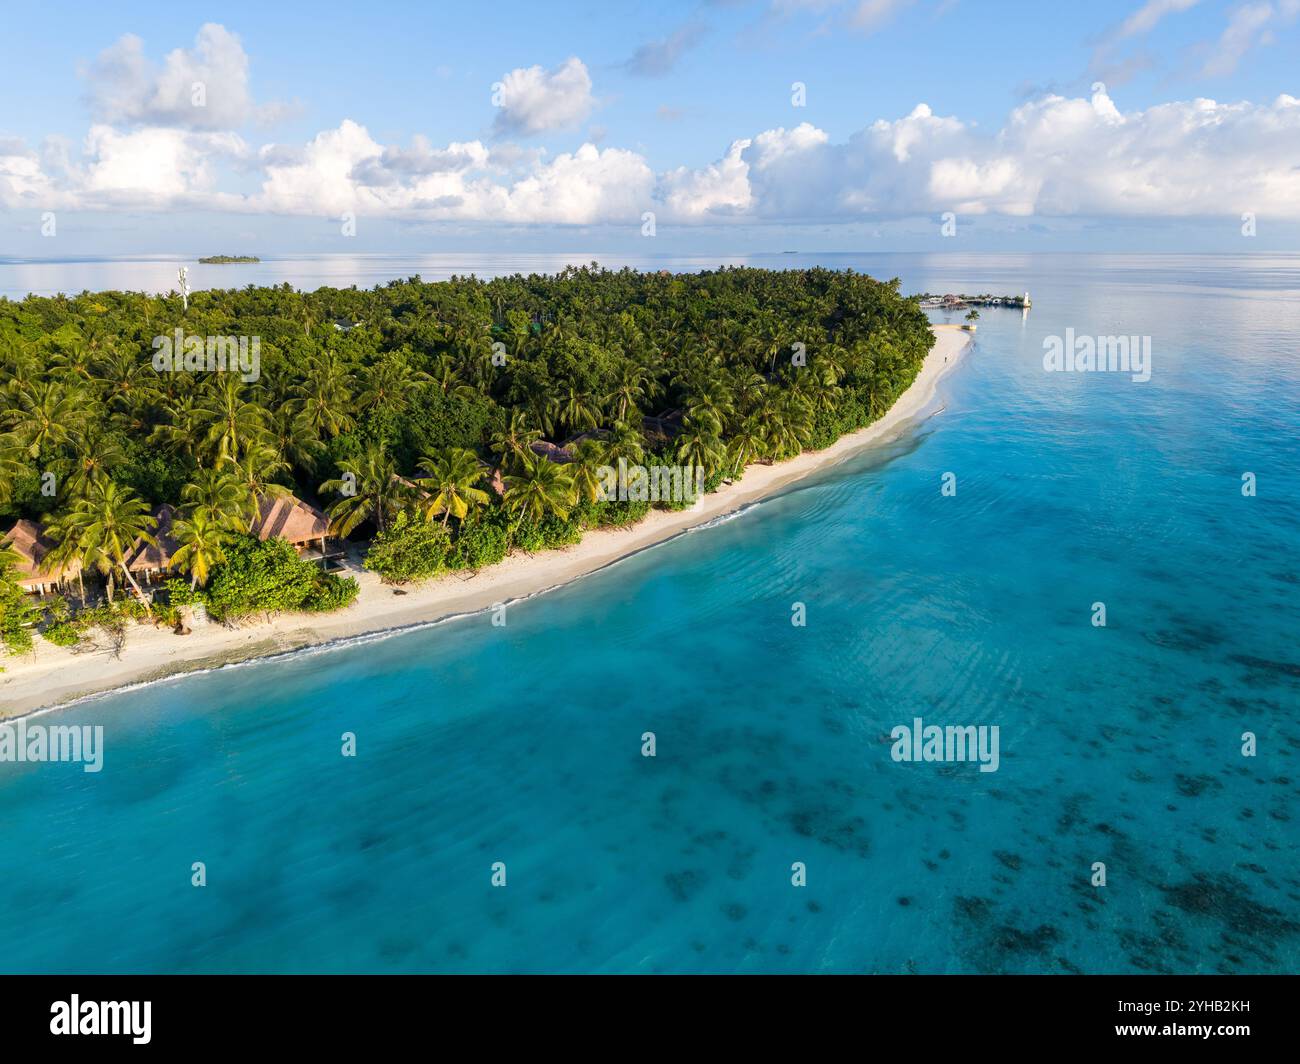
[
  {"x": 437, "y": 421},
  {"x": 410, "y": 549},
  {"x": 111, "y": 618},
  {"x": 62, "y": 634},
  {"x": 332, "y": 592},
  {"x": 131, "y": 608},
  {"x": 480, "y": 542},
  {"x": 611, "y": 514},
  {"x": 180, "y": 593},
  {"x": 151, "y": 472},
  {"x": 548, "y": 533},
  {"x": 269, "y": 577},
  {"x": 165, "y": 613},
  {"x": 63, "y": 628},
  {"x": 16, "y": 610},
  {"x": 15, "y": 615}
]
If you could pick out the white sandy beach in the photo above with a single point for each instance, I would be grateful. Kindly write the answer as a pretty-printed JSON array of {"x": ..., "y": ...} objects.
[{"x": 51, "y": 675}]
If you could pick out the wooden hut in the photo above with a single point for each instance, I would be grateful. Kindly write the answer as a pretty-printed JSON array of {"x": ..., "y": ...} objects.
[
  {"x": 292, "y": 519},
  {"x": 148, "y": 562},
  {"x": 32, "y": 548},
  {"x": 552, "y": 451}
]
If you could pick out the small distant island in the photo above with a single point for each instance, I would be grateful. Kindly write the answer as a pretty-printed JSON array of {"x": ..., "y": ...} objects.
[{"x": 219, "y": 259}]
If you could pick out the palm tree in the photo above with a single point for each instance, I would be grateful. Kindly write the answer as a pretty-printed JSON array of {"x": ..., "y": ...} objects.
[
  {"x": 579, "y": 409},
  {"x": 542, "y": 407},
  {"x": 293, "y": 440},
  {"x": 631, "y": 388},
  {"x": 699, "y": 446},
  {"x": 479, "y": 356},
  {"x": 589, "y": 458},
  {"x": 231, "y": 423},
  {"x": 819, "y": 391},
  {"x": 125, "y": 381},
  {"x": 369, "y": 488},
  {"x": 75, "y": 361},
  {"x": 261, "y": 462},
  {"x": 539, "y": 488},
  {"x": 746, "y": 445},
  {"x": 11, "y": 467},
  {"x": 324, "y": 397},
  {"x": 388, "y": 385},
  {"x": 747, "y": 386},
  {"x": 222, "y": 496},
  {"x": 97, "y": 452},
  {"x": 185, "y": 429},
  {"x": 831, "y": 361},
  {"x": 446, "y": 376},
  {"x": 786, "y": 417},
  {"x": 624, "y": 442},
  {"x": 202, "y": 540},
  {"x": 514, "y": 440},
  {"x": 45, "y": 417},
  {"x": 66, "y": 551},
  {"x": 766, "y": 333},
  {"x": 450, "y": 479},
  {"x": 20, "y": 368},
  {"x": 101, "y": 526},
  {"x": 711, "y": 405},
  {"x": 9, "y": 560}
]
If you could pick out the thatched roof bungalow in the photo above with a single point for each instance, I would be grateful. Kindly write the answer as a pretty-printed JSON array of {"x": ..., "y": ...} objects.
[
  {"x": 667, "y": 424},
  {"x": 290, "y": 518},
  {"x": 151, "y": 560},
  {"x": 553, "y": 451},
  {"x": 27, "y": 541}
]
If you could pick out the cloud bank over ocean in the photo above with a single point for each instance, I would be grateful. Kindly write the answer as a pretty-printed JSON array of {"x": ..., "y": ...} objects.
[{"x": 150, "y": 147}]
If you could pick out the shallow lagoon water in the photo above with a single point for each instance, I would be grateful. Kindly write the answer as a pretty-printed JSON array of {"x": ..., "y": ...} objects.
[{"x": 522, "y": 744}]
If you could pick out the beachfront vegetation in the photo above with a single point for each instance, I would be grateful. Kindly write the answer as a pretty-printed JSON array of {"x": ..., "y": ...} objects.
[
  {"x": 95, "y": 627},
  {"x": 17, "y": 613},
  {"x": 410, "y": 549},
  {"x": 415, "y": 405},
  {"x": 269, "y": 577}
]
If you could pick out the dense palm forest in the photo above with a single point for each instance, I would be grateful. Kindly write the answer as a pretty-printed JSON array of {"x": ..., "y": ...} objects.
[{"x": 400, "y": 408}]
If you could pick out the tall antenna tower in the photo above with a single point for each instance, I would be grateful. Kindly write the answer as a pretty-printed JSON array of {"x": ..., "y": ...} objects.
[{"x": 183, "y": 275}]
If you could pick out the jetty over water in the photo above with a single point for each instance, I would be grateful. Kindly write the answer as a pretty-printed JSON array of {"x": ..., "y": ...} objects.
[{"x": 961, "y": 302}]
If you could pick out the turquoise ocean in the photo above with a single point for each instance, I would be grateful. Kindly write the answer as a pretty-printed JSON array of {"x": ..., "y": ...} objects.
[{"x": 476, "y": 744}]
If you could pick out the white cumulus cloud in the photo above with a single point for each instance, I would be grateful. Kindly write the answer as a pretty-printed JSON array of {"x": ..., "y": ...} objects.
[
  {"x": 1054, "y": 156},
  {"x": 205, "y": 87},
  {"x": 533, "y": 100},
  {"x": 153, "y": 166}
]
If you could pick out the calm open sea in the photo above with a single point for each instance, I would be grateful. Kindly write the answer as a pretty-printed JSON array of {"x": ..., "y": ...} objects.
[{"x": 480, "y": 744}]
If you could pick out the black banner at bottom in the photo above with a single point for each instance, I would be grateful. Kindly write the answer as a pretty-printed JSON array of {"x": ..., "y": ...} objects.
[{"x": 1238, "y": 1014}]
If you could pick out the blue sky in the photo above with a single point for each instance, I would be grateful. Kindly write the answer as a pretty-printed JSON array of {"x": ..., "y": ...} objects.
[{"x": 604, "y": 112}]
